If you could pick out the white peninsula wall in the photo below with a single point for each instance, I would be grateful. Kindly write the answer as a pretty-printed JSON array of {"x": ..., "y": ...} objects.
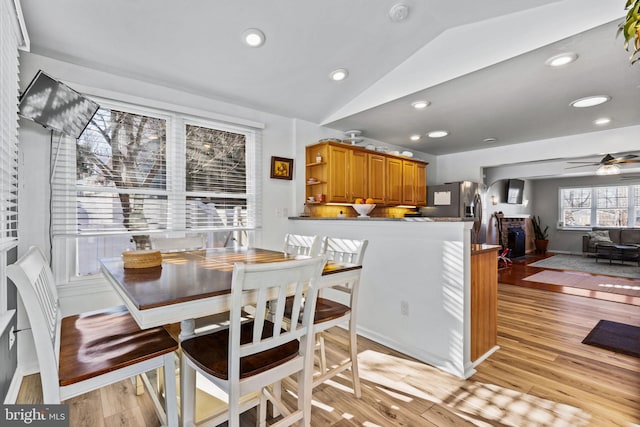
[{"x": 415, "y": 285}]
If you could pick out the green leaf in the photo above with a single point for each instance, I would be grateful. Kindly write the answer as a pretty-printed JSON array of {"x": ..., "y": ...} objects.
[{"x": 628, "y": 4}]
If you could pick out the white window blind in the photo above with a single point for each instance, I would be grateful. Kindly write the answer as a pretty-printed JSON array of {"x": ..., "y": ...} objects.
[
  {"x": 133, "y": 173},
  {"x": 8, "y": 124}
]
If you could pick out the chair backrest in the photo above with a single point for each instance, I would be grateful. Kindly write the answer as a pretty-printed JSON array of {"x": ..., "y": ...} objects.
[
  {"x": 272, "y": 282},
  {"x": 178, "y": 244},
  {"x": 297, "y": 244},
  {"x": 34, "y": 280},
  {"x": 344, "y": 250}
]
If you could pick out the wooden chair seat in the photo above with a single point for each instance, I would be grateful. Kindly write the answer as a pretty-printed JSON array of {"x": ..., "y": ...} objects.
[
  {"x": 211, "y": 352},
  {"x": 326, "y": 310},
  {"x": 96, "y": 343}
]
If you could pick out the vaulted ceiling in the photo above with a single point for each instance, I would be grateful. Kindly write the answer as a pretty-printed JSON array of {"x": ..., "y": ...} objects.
[{"x": 481, "y": 65}]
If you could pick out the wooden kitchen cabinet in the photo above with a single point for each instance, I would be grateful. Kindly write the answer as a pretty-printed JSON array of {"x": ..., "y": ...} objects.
[
  {"x": 348, "y": 172},
  {"x": 421, "y": 184},
  {"x": 337, "y": 182},
  {"x": 408, "y": 182},
  {"x": 377, "y": 187},
  {"x": 394, "y": 181},
  {"x": 358, "y": 175}
]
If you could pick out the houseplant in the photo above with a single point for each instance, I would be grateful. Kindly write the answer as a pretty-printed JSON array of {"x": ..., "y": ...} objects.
[
  {"x": 541, "y": 242},
  {"x": 630, "y": 28}
]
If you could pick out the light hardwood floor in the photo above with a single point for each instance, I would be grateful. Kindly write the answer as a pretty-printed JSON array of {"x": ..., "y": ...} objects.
[{"x": 542, "y": 376}]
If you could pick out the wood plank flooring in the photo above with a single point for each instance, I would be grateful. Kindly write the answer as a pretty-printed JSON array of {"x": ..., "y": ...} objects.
[
  {"x": 541, "y": 376},
  {"x": 521, "y": 268}
]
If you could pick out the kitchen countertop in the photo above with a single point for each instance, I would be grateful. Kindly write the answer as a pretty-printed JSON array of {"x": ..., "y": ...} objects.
[
  {"x": 408, "y": 219},
  {"x": 483, "y": 248}
]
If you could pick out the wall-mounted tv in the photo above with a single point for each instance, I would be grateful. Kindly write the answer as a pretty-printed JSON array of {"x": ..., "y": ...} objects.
[
  {"x": 56, "y": 106},
  {"x": 514, "y": 191}
]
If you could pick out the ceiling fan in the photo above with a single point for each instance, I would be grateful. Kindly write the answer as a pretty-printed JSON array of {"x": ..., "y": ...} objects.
[{"x": 609, "y": 160}]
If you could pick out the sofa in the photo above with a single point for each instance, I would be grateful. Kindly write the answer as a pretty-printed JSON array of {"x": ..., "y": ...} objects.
[{"x": 611, "y": 236}]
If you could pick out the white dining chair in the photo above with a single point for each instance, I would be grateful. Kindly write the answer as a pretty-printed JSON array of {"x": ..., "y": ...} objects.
[
  {"x": 338, "y": 305},
  {"x": 85, "y": 352},
  {"x": 340, "y": 310},
  {"x": 251, "y": 355},
  {"x": 298, "y": 244}
]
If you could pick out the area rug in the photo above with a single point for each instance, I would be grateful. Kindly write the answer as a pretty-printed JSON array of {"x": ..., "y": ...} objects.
[
  {"x": 576, "y": 279},
  {"x": 614, "y": 336},
  {"x": 589, "y": 264}
]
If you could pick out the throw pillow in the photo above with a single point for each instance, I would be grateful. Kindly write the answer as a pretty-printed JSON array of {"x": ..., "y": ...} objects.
[{"x": 600, "y": 237}]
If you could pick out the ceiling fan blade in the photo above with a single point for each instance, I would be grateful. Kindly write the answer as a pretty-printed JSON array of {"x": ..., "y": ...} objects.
[
  {"x": 628, "y": 161},
  {"x": 609, "y": 160},
  {"x": 582, "y": 166},
  {"x": 585, "y": 163}
]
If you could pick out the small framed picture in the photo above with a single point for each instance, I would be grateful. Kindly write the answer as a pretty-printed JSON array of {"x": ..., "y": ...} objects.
[{"x": 281, "y": 168}]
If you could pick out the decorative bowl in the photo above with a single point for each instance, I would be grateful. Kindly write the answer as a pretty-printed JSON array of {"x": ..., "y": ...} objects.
[{"x": 363, "y": 209}]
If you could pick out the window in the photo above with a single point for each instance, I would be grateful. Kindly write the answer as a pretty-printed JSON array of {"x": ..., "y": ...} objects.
[
  {"x": 136, "y": 172},
  {"x": 611, "y": 206},
  {"x": 576, "y": 207},
  {"x": 607, "y": 206}
]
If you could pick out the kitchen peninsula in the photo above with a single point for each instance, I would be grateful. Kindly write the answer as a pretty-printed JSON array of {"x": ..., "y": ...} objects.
[{"x": 416, "y": 287}]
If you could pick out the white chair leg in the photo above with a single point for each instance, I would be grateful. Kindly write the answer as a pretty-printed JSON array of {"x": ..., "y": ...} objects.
[
  {"x": 187, "y": 393},
  {"x": 323, "y": 354},
  {"x": 234, "y": 407},
  {"x": 261, "y": 418},
  {"x": 277, "y": 393},
  {"x": 353, "y": 352},
  {"x": 170, "y": 393}
]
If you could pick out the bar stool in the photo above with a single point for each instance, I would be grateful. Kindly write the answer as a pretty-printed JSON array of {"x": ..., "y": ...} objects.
[
  {"x": 251, "y": 355},
  {"x": 118, "y": 348},
  {"x": 338, "y": 305}
]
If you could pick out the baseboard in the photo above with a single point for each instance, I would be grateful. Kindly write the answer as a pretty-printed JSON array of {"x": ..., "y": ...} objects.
[
  {"x": 425, "y": 357},
  {"x": 16, "y": 382}
]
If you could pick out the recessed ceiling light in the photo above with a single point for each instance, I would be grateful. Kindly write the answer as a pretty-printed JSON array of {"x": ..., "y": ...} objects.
[
  {"x": 438, "y": 134},
  {"x": 602, "y": 121},
  {"x": 419, "y": 105},
  {"x": 489, "y": 140},
  {"x": 415, "y": 137},
  {"x": 561, "y": 59},
  {"x": 339, "y": 74},
  {"x": 253, "y": 37},
  {"x": 590, "y": 101}
]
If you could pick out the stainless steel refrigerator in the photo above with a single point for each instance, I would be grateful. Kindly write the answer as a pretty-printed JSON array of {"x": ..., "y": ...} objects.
[{"x": 461, "y": 199}]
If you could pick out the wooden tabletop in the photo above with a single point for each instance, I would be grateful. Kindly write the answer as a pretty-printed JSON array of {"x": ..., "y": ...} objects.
[{"x": 187, "y": 276}]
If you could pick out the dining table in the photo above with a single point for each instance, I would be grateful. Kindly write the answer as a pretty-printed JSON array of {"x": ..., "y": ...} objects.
[{"x": 194, "y": 284}]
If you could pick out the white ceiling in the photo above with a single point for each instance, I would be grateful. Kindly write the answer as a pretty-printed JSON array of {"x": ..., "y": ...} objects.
[{"x": 479, "y": 63}]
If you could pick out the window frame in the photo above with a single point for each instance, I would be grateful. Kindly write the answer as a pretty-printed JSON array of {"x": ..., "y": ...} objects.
[
  {"x": 633, "y": 206},
  {"x": 64, "y": 254}
]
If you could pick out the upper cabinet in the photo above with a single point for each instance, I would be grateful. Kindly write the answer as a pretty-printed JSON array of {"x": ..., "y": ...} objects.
[{"x": 339, "y": 173}]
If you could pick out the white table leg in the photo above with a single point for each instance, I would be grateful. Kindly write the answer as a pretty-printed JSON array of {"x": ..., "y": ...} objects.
[{"x": 187, "y": 378}]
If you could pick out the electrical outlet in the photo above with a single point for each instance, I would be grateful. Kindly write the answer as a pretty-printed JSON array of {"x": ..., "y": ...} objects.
[
  {"x": 404, "y": 308},
  {"x": 12, "y": 338}
]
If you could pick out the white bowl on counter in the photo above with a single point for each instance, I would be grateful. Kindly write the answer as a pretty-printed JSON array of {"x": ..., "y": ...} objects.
[{"x": 363, "y": 209}]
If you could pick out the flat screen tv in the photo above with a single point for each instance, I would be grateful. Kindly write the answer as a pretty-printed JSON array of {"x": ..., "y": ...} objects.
[
  {"x": 56, "y": 106},
  {"x": 514, "y": 191}
]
